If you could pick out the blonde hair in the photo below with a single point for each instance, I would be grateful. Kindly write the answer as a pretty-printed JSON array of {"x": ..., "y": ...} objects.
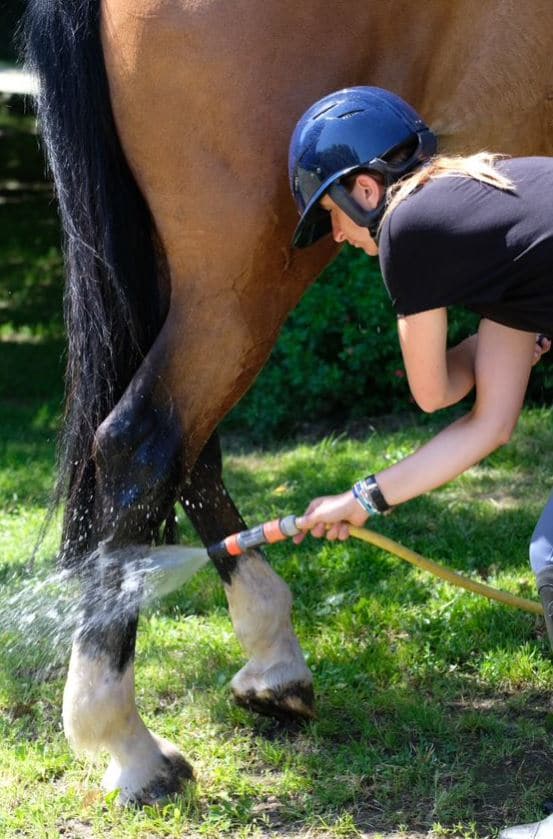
[{"x": 479, "y": 166}]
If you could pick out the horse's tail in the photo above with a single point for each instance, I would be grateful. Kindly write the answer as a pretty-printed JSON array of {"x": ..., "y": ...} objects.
[{"x": 113, "y": 304}]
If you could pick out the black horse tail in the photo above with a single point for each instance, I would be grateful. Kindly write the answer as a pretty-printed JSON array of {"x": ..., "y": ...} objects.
[{"x": 114, "y": 304}]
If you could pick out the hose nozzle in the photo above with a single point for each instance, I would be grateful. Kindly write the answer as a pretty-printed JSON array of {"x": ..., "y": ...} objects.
[{"x": 263, "y": 534}]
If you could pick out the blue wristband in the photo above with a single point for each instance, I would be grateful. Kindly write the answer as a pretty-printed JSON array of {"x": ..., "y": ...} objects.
[
  {"x": 368, "y": 494},
  {"x": 363, "y": 498}
]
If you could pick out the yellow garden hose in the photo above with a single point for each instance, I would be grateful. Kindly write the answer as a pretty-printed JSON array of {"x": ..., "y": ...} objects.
[
  {"x": 279, "y": 529},
  {"x": 445, "y": 573}
]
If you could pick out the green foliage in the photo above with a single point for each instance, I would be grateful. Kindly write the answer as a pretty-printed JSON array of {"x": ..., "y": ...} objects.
[{"x": 338, "y": 356}]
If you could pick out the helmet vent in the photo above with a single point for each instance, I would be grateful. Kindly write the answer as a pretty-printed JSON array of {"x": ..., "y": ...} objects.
[
  {"x": 351, "y": 113},
  {"x": 320, "y": 113},
  {"x": 351, "y": 129}
]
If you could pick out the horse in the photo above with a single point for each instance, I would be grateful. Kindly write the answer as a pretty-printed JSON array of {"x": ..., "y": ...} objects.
[{"x": 166, "y": 125}]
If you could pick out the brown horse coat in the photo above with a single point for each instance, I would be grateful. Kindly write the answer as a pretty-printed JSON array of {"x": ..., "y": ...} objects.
[{"x": 206, "y": 95}]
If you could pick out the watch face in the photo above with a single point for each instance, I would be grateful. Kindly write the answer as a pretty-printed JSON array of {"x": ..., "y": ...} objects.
[{"x": 373, "y": 491}]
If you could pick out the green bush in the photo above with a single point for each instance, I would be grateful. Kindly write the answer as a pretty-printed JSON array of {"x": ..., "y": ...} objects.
[
  {"x": 10, "y": 15},
  {"x": 338, "y": 356}
]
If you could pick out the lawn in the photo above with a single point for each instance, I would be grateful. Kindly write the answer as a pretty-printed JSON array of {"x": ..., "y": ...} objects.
[{"x": 433, "y": 705}]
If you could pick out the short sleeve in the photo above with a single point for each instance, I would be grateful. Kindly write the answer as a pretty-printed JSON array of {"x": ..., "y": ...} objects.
[
  {"x": 412, "y": 266},
  {"x": 431, "y": 252}
]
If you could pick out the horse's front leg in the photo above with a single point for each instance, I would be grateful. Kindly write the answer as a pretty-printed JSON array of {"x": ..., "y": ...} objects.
[
  {"x": 136, "y": 451},
  {"x": 276, "y": 679}
]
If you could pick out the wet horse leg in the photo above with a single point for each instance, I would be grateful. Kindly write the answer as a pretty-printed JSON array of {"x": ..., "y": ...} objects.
[
  {"x": 275, "y": 680},
  {"x": 99, "y": 712},
  {"x": 139, "y": 458},
  {"x": 99, "y": 709}
]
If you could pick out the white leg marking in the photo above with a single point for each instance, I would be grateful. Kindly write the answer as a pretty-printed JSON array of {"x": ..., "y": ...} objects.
[
  {"x": 260, "y": 604},
  {"x": 99, "y": 712}
]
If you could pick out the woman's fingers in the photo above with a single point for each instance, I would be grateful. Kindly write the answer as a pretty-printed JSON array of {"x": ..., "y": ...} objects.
[
  {"x": 329, "y": 516},
  {"x": 318, "y": 530},
  {"x": 338, "y": 532},
  {"x": 334, "y": 532},
  {"x": 343, "y": 532}
]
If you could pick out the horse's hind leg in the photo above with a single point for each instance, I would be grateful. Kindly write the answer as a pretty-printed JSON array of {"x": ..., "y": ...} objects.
[
  {"x": 99, "y": 701},
  {"x": 276, "y": 680},
  {"x": 99, "y": 712},
  {"x": 99, "y": 709}
]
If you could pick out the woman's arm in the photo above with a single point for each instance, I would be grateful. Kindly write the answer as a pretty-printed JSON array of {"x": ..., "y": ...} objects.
[
  {"x": 503, "y": 361},
  {"x": 436, "y": 378},
  {"x": 502, "y": 365}
]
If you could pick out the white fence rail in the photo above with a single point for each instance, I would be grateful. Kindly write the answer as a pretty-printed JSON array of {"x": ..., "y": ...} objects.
[{"x": 14, "y": 80}]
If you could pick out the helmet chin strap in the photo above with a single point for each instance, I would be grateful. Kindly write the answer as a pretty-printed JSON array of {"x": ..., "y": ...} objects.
[
  {"x": 390, "y": 173},
  {"x": 363, "y": 218}
]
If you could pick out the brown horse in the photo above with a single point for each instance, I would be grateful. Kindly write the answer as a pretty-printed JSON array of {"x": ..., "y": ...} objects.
[{"x": 167, "y": 124}]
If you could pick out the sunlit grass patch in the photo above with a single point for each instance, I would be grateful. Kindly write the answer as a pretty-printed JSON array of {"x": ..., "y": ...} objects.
[
  {"x": 510, "y": 669},
  {"x": 429, "y": 698}
]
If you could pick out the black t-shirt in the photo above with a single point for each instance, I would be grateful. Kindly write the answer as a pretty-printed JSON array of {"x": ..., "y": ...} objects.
[{"x": 457, "y": 241}]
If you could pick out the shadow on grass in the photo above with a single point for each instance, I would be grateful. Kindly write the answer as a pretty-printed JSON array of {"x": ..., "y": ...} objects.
[
  {"x": 394, "y": 756},
  {"x": 428, "y": 709}
]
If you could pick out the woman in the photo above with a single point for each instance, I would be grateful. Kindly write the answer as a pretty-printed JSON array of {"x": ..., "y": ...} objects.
[{"x": 474, "y": 231}]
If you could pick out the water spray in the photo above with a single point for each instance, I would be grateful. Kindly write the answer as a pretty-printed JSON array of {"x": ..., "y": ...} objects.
[
  {"x": 279, "y": 530},
  {"x": 43, "y": 616},
  {"x": 139, "y": 574}
]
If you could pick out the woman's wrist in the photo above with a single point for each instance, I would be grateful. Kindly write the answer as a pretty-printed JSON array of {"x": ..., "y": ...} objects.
[{"x": 369, "y": 496}]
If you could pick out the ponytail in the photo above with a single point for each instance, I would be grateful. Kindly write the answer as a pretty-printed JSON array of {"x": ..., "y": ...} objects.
[{"x": 481, "y": 167}]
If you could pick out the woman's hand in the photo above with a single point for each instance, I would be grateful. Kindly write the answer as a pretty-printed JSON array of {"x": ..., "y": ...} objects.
[
  {"x": 543, "y": 345},
  {"x": 330, "y": 515}
]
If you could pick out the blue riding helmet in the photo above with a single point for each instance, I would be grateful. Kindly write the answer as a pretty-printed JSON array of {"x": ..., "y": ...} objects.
[{"x": 355, "y": 128}]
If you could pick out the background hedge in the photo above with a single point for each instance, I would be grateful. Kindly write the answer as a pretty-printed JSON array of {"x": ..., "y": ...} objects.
[{"x": 338, "y": 356}]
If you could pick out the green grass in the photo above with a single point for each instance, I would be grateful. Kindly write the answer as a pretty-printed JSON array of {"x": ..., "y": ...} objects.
[{"x": 433, "y": 704}]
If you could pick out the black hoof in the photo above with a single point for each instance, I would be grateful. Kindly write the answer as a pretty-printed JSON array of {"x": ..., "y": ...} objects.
[
  {"x": 172, "y": 776},
  {"x": 292, "y": 703}
]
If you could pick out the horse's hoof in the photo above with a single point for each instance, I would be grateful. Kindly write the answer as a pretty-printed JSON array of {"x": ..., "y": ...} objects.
[
  {"x": 291, "y": 702},
  {"x": 152, "y": 782}
]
